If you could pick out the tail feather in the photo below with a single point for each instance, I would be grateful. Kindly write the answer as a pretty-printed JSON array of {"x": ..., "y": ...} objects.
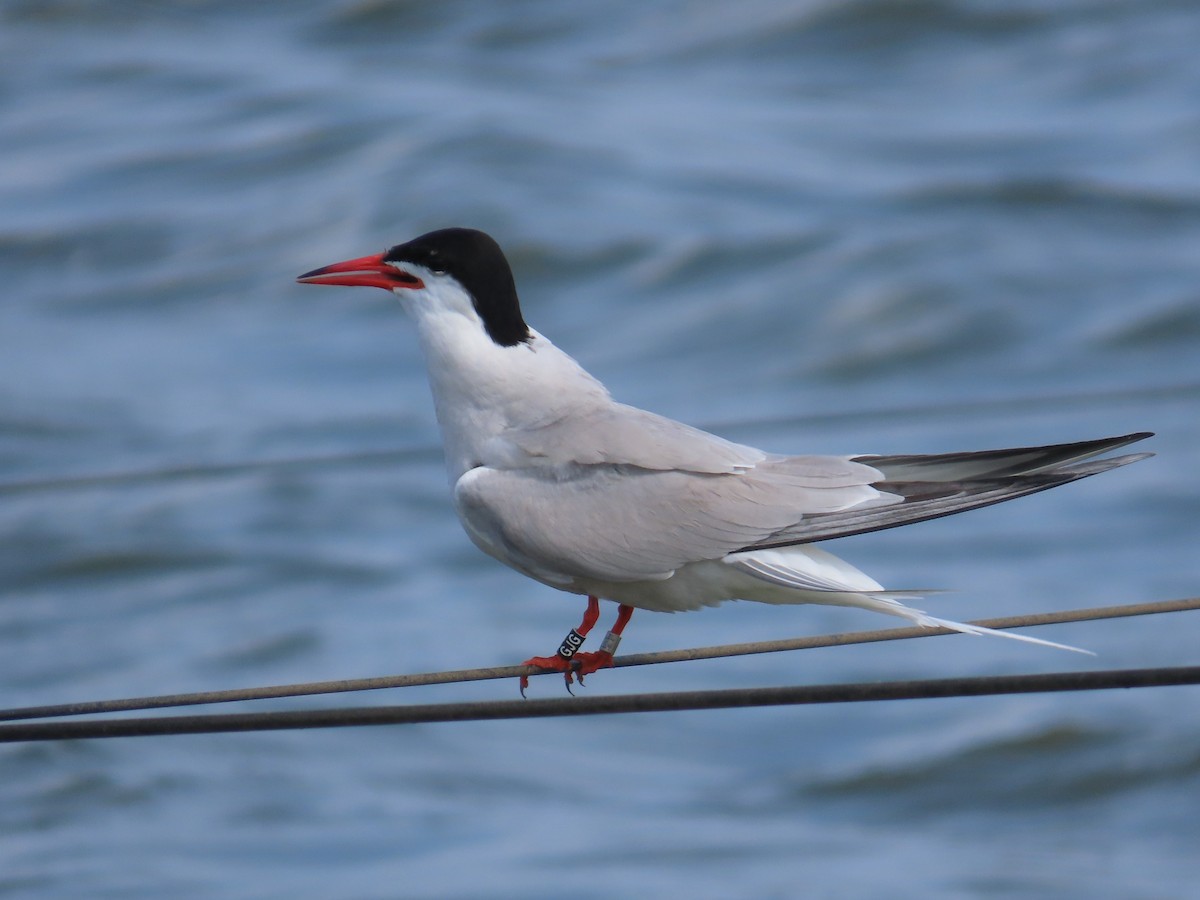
[
  {"x": 809, "y": 575},
  {"x": 889, "y": 602}
]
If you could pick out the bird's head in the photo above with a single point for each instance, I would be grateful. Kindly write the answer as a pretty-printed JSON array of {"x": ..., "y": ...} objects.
[{"x": 454, "y": 270}]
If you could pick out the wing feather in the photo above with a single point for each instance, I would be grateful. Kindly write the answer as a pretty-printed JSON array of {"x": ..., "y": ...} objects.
[
  {"x": 994, "y": 463},
  {"x": 932, "y": 500},
  {"x": 625, "y": 523}
]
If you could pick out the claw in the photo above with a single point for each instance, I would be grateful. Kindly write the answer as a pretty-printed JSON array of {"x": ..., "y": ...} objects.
[
  {"x": 587, "y": 663},
  {"x": 547, "y": 664},
  {"x": 578, "y": 667}
]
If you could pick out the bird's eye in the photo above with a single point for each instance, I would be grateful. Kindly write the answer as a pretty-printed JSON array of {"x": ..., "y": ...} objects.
[{"x": 435, "y": 263}]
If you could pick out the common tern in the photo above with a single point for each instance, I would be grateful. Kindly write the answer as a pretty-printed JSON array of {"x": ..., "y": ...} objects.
[{"x": 555, "y": 478}]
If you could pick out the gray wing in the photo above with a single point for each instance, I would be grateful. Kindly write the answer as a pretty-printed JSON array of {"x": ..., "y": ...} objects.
[
  {"x": 624, "y": 522},
  {"x": 943, "y": 484},
  {"x": 628, "y": 523}
]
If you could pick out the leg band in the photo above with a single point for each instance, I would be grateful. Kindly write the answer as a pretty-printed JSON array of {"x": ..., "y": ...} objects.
[
  {"x": 570, "y": 645},
  {"x": 610, "y": 643}
]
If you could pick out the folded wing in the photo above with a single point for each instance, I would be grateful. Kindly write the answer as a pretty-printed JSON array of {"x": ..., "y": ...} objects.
[
  {"x": 943, "y": 484},
  {"x": 619, "y": 521},
  {"x": 626, "y": 523}
]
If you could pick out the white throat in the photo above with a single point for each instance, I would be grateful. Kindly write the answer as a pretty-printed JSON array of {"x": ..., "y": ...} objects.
[{"x": 482, "y": 390}]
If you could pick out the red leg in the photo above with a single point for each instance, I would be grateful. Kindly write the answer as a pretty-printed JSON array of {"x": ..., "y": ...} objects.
[
  {"x": 561, "y": 660},
  {"x": 587, "y": 663}
]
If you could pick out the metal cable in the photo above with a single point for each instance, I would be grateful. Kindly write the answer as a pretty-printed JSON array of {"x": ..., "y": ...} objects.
[
  {"x": 588, "y": 706},
  {"x": 639, "y": 659}
]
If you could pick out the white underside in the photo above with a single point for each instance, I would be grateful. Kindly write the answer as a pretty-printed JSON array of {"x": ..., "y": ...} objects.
[{"x": 789, "y": 576}]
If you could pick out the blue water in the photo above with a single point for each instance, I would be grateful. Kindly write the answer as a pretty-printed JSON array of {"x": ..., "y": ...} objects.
[{"x": 816, "y": 226}]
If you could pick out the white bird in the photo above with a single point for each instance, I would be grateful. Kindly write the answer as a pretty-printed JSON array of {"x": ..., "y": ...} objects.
[{"x": 555, "y": 478}]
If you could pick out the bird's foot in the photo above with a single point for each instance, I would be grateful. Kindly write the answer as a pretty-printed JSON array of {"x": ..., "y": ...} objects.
[
  {"x": 569, "y": 660},
  {"x": 578, "y": 666},
  {"x": 555, "y": 663},
  {"x": 587, "y": 663}
]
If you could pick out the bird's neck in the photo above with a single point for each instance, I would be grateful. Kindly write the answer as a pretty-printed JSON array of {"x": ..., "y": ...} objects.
[{"x": 482, "y": 390}]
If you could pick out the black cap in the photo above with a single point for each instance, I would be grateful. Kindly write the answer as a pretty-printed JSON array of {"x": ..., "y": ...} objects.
[{"x": 478, "y": 263}]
